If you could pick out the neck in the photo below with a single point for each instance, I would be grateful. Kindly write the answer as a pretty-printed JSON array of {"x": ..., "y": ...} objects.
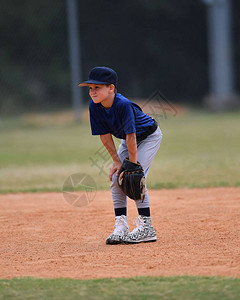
[{"x": 108, "y": 102}]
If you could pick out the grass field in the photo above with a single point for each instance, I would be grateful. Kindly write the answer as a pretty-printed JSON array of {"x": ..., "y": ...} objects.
[
  {"x": 38, "y": 153},
  {"x": 181, "y": 288}
]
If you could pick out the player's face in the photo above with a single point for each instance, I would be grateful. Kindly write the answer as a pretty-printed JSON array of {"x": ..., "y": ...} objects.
[{"x": 99, "y": 92}]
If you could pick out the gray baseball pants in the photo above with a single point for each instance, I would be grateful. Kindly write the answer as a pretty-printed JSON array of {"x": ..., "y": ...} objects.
[{"x": 146, "y": 150}]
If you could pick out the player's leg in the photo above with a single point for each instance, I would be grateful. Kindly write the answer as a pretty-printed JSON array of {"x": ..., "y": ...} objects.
[
  {"x": 147, "y": 149},
  {"x": 144, "y": 232},
  {"x": 120, "y": 205},
  {"x": 118, "y": 197}
]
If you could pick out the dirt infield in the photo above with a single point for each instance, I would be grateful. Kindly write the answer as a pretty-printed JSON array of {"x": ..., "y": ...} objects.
[{"x": 198, "y": 234}]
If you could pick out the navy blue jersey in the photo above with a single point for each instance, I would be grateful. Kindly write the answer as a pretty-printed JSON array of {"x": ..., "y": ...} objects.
[{"x": 122, "y": 118}]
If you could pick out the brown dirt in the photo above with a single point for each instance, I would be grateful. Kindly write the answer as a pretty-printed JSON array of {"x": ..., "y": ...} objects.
[{"x": 198, "y": 234}]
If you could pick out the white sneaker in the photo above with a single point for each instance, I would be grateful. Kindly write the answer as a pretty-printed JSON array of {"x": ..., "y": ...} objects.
[
  {"x": 120, "y": 231},
  {"x": 144, "y": 232}
]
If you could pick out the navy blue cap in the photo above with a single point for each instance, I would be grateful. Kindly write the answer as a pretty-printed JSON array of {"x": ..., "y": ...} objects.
[{"x": 101, "y": 75}]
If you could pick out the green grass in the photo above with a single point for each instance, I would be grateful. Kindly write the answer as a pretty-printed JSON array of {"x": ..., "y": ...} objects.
[
  {"x": 199, "y": 149},
  {"x": 181, "y": 288}
]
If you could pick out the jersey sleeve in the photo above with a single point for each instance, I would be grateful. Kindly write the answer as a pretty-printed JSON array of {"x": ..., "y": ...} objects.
[
  {"x": 128, "y": 118},
  {"x": 97, "y": 125}
]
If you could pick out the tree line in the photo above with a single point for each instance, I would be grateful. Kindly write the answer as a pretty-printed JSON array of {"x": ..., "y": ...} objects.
[{"x": 153, "y": 45}]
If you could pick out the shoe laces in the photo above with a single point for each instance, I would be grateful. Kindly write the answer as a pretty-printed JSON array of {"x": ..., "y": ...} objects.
[
  {"x": 120, "y": 225},
  {"x": 139, "y": 221}
]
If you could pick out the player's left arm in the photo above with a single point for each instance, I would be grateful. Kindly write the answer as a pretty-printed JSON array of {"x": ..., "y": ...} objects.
[{"x": 132, "y": 146}]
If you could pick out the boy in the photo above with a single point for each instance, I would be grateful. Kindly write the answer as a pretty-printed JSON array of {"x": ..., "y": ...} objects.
[{"x": 113, "y": 114}]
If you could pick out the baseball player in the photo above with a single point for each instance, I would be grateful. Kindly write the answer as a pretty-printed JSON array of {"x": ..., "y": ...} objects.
[{"x": 113, "y": 114}]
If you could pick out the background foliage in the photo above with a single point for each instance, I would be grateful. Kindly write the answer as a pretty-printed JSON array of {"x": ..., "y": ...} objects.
[{"x": 151, "y": 44}]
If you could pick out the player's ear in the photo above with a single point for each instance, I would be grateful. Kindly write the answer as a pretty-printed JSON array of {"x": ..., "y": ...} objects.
[{"x": 112, "y": 87}]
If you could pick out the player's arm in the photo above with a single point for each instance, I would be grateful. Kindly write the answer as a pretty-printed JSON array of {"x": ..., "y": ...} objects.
[
  {"x": 132, "y": 146},
  {"x": 108, "y": 142}
]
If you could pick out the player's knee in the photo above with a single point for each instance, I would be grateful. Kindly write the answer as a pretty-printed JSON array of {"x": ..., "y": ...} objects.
[{"x": 114, "y": 181}]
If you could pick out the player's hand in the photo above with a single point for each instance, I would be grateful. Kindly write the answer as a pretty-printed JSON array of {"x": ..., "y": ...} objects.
[{"x": 115, "y": 167}]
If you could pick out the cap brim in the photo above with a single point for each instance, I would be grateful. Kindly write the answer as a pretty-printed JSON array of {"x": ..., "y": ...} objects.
[{"x": 86, "y": 83}]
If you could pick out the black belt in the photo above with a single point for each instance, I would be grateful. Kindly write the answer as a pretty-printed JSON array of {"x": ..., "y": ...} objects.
[{"x": 149, "y": 130}]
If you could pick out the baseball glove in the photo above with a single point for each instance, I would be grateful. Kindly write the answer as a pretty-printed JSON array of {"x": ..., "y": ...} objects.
[{"x": 132, "y": 180}]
